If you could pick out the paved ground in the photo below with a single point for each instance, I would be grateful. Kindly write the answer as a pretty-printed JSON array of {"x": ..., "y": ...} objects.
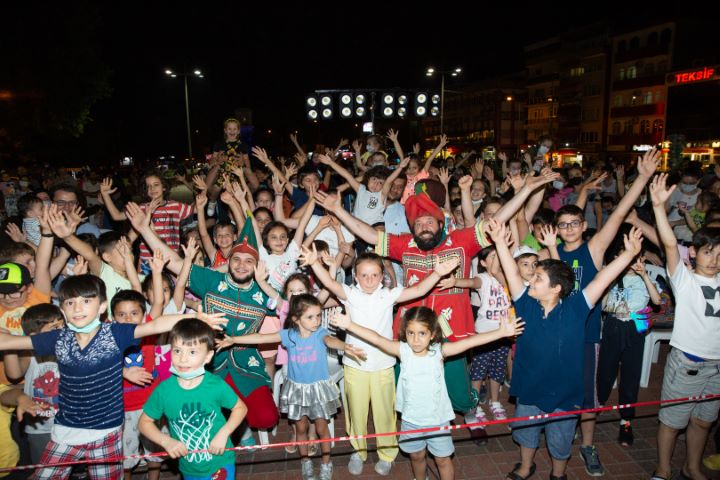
[{"x": 493, "y": 461}]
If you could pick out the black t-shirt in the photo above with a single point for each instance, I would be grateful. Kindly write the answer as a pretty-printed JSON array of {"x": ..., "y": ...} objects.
[{"x": 230, "y": 149}]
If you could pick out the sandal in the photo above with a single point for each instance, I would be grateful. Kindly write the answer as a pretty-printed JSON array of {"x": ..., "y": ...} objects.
[
  {"x": 655, "y": 476},
  {"x": 514, "y": 476},
  {"x": 291, "y": 448}
]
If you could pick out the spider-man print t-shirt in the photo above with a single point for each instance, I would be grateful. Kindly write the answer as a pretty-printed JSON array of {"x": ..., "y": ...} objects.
[{"x": 194, "y": 417}]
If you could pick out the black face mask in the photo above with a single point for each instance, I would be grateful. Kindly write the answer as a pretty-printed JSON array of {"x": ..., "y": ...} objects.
[
  {"x": 574, "y": 182},
  {"x": 427, "y": 245}
]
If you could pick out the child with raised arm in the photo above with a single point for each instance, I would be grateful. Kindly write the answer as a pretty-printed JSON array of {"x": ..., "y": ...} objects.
[
  {"x": 693, "y": 364},
  {"x": 225, "y": 234},
  {"x": 422, "y": 397},
  {"x": 308, "y": 394},
  {"x": 372, "y": 381},
  {"x": 89, "y": 354},
  {"x": 193, "y": 400},
  {"x": 548, "y": 370}
]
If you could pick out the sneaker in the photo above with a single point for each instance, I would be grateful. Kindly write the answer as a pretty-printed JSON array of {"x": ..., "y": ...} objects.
[
  {"x": 326, "y": 470},
  {"x": 479, "y": 416},
  {"x": 383, "y": 467},
  {"x": 355, "y": 465},
  {"x": 248, "y": 442},
  {"x": 593, "y": 467},
  {"x": 498, "y": 411},
  {"x": 308, "y": 472},
  {"x": 626, "y": 437}
]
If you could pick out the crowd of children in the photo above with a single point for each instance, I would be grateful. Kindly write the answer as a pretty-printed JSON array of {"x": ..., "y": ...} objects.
[{"x": 159, "y": 326}]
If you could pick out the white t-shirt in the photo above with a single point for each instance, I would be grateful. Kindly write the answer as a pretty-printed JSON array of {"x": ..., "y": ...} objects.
[
  {"x": 422, "y": 396},
  {"x": 697, "y": 317},
  {"x": 328, "y": 235},
  {"x": 369, "y": 206},
  {"x": 682, "y": 232},
  {"x": 494, "y": 304},
  {"x": 373, "y": 311},
  {"x": 280, "y": 267}
]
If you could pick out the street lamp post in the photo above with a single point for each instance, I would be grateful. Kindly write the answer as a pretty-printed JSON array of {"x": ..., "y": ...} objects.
[
  {"x": 195, "y": 73},
  {"x": 430, "y": 72}
]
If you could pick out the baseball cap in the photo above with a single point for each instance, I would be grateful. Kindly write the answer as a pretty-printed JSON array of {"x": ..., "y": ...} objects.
[
  {"x": 13, "y": 277},
  {"x": 523, "y": 250}
]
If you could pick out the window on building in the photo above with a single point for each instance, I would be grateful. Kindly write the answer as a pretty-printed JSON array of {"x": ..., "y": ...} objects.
[
  {"x": 616, "y": 128},
  {"x": 621, "y": 73},
  {"x": 648, "y": 98},
  {"x": 628, "y": 127},
  {"x": 632, "y": 72},
  {"x": 644, "y": 127},
  {"x": 577, "y": 71},
  {"x": 658, "y": 126}
]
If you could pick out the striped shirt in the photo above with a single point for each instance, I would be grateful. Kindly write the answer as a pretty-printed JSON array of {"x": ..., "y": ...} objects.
[
  {"x": 166, "y": 222},
  {"x": 91, "y": 381}
]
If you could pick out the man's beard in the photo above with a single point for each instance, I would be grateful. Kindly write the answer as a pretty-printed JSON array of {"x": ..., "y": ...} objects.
[
  {"x": 429, "y": 244},
  {"x": 246, "y": 279}
]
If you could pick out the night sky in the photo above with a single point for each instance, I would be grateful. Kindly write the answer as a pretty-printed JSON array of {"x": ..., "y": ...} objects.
[{"x": 268, "y": 58}]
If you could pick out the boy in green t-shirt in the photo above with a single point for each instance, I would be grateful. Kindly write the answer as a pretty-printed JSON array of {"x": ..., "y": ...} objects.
[{"x": 192, "y": 401}]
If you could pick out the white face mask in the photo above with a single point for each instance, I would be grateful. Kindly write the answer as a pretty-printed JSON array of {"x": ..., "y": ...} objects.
[
  {"x": 188, "y": 375},
  {"x": 687, "y": 187},
  {"x": 370, "y": 148},
  {"x": 558, "y": 185}
]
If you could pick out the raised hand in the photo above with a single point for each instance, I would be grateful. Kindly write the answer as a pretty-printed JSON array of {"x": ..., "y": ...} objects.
[
  {"x": 123, "y": 247},
  {"x": 59, "y": 225},
  {"x": 620, "y": 171},
  {"x": 444, "y": 176},
  {"x": 106, "y": 187},
  {"x": 649, "y": 163},
  {"x": 81, "y": 266},
  {"x": 153, "y": 205},
  {"x": 261, "y": 271},
  {"x": 329, "y": 202},
  {"x": 404, "y": 162},
  {"x": 548, "y": 236},
  {"x": 307, "y": 256},
  {"x": 478, "y": 167},
  {"x": 465, "y": 183},
  {"x": 325, "y": 159},
  {"x": 15, "y": 234},
  {"x": 447, "y": 265},
  {"x": 659, "y": 193},
  {"x": 502, "y": 156},
  {"x": 633, "y": 240},
  {"x": 344, "y": 142},
  {"x": 639, "y": 266},
  {"x": 158, "y": 262},
  {"x": 293, "y": 138},
  {"x": 138, "y": 218},
  {"x": 199, "y": 183},
  {"x": 227, "y": 197},
  {"x": 489, "y": 173},
  {"x": 517, "y": 181},
  {"x": 512, "y": 328},
  {"x": 290, "y": 171},
  {"x": 76, "y": 216},
  {"x": 392, "y": 135},
  {"x": 443, "y": 141},
  {"x": 201, "y": 201},
  {"x": 191, "y": 249},
  {"x": 497, "y": 231},
  {"x": 261, "y": 154},
  {"x": 340, "y": 320},
  {"x": 216, "y": 320},
  {"x": 416, "y": 148},
  {"x": 278, "y": 185},
  {"x": 546, "y": 176},
  {"x": 356, "y": 145}
]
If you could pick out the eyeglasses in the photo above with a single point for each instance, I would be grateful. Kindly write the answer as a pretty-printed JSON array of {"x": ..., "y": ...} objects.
[
  {"x": 14, "y": 295},
  {"x": 62, "y": 203},
  {"x": 566, "y": 225}
]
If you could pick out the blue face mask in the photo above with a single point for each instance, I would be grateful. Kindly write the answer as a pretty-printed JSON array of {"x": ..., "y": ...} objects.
[
  {"x": 87, "y": 328},
  {"x": 188, "y": 375}
]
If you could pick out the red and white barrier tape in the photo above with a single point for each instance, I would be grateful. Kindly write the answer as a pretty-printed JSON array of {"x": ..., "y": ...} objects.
[{"x": 347, "y": 438}]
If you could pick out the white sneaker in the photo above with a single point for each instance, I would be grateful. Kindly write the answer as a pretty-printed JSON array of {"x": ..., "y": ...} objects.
[
  {"x": 498, "y": 411},
  {"x": 383, "y": 467},
  {"x": 308, "y": 472},
  {"x": 355, "y": 465},
  {"x": 326, "y": 471},
  {"x": 480, "y": 415}
]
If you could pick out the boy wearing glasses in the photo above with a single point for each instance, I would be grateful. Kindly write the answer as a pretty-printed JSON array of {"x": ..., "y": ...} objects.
[{"x": 586, "y": 259}]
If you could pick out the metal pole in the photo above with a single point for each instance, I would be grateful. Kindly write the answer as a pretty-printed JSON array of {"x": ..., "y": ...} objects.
[
  {"x": 372, "y": 111},
  {"x": 187, "y": 118},
  {"x": 442, "y": 103}
]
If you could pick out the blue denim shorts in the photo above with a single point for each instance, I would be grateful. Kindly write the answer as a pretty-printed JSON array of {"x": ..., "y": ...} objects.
[
  {"x": 559, "y": 432},
  {"x": 439, "y": 443}
]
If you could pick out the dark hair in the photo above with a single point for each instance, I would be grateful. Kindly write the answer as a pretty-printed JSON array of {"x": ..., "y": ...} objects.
[
  {"x": 709, "y": 200},
  {"x": 482, "y": 256},
  {"x": 706, "y": 237},
  {"x": 192, "y": 331},
  {"x": 270, "y": 226},
  {"x": 164, "y": 181},
  {"x": 26, "y": 202},
  {"x": 425, "y": 316},
  {"x": 10, "y": 250},
  {"x": 262, "y": 209},
  {"x": 127, "y": 296},
  {"x": 544, "y": 216},
  {"x": 371, "y": 257},
  {"x": 298, "y": 305},
  {"x": 573, "y": 210},
  {"x": 320, "y": 246},
  {"x": 305, "y": 171},
  {"x": 379, "y": 171},
  {"x": 38, "y": 316},
  {"x": 264, "y": 190},
  {"x": 67, "y": 187},
  {"x": 86, "y": 286},
  {"x": 147, "y": 282},
  {"x": 90, "y": 239},
  {"x": 231, "y": 225},
  {"x": 559, "y": 273},
  {"x": 107, "y": 241},
  {"x": 297, "y": 277}
]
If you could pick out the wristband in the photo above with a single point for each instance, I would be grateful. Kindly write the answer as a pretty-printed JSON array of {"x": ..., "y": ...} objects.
[{"x": 47, "y": 235}]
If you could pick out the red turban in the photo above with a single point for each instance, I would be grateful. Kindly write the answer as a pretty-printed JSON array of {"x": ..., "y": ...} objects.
[{"x": 420, "y": 205}]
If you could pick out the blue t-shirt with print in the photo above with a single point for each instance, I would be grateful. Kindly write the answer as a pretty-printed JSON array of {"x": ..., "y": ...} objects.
[
  {"x": 307, "y": 357},
  {"x": 91, "y": 381},
  {"x": 582, "y": 264}
]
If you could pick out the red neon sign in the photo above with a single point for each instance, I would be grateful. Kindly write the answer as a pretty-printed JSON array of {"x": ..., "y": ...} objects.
[{"x": 696, "y": 76}]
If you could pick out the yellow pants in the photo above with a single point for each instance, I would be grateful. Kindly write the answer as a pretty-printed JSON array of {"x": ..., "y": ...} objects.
[{"x": 363, "y": 389}]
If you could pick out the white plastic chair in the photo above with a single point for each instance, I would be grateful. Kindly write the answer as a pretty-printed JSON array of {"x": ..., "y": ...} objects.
[{"x": 651, "y": 352}]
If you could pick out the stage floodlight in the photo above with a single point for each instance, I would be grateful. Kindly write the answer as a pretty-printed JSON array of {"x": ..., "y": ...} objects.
[
  {"x": 327, "y": 113},
  {"x": 326, "y": 100},
  {"x": 435, "y": 111},
  {"x": 346, "y": 112},
  {"x": 360, "y": 99},
  {"x": 402, "y": 112},
  {"x": 388, "y": 105},
  {"x": 421, "y": 99},
  {"x": 435, "y": 99},
  {"x": 388, "y": 112},
  {"x": 360, "y": 111},
  {"x": 402, "y": 100},
  {"x": 345, "y": 99},
  {"x": 312, "y": 114}
]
